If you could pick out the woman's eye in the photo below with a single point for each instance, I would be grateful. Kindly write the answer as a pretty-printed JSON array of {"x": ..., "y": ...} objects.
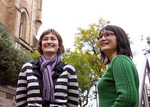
[
  {"x": 53, "y": 39},
  {"x": 44, "y": 39},
  {"x": 107, "y": 34}
]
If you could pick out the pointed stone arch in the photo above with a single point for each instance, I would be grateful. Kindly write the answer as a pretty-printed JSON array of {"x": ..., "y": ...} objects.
[{"x": 22, "y": 27}]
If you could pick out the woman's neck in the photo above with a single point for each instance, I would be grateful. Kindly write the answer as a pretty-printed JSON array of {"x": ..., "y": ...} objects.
[
  {"x": 49, "y": 57},
  {"x": 111, "y": 56}
]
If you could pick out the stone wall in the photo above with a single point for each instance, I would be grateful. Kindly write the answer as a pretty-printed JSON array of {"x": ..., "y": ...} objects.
[
  {"x": 7, "y": 97},
  {"x": 4, "y": 6},
  {"x": 11, "y": 15}
]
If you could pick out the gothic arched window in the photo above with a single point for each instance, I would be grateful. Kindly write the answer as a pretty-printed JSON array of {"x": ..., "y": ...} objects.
[{"x": 22, "y": 28}]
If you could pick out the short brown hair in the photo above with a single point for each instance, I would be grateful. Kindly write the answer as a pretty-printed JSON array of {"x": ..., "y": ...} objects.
[{"x": 60, "y": 51}]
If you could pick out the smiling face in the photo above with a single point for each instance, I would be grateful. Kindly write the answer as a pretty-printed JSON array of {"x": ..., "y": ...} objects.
[
  {"x": 50, "y": 45},
  {"x": 108, "y": 44}
]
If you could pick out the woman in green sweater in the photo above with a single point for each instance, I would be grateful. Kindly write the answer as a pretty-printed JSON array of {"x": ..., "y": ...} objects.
[{"x": 119, "y": 86}]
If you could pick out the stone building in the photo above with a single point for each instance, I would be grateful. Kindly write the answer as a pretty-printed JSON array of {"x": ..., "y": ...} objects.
[{"x": 23, "y": 19}]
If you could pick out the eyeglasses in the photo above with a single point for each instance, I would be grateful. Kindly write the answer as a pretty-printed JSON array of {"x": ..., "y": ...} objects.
[{"x": 107, "y": 34}]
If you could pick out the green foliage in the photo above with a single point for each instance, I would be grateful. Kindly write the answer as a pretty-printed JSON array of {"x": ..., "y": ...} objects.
[
  {"x": 86, "y": 59},
  {"x": 34, "y": 55},
  {"x": 86, "y": 40},
  {"x": 11, "y": 59},
  {"x": 83, "y": 70},
  {"x": 82, "y": 67}
]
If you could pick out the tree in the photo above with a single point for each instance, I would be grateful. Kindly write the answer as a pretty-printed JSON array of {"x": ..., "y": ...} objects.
[
  {"x": 83, "y": 71},
  {"x": 34, "y": 55},
  {"x": 86, "y": 59},
  {"x": 86, "y": 40},
  {"x": 87, "y": 45},
  {"x": 11, "y": 59}
]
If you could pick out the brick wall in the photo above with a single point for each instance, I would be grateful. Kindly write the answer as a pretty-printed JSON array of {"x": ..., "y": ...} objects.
[{"x": 7, "y": 97}]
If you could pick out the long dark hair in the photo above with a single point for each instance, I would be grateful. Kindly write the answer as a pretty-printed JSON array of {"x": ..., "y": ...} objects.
[{"x": 123, "y": 44}]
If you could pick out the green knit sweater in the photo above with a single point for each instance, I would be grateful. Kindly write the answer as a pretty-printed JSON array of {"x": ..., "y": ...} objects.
[{"x": 119, "y": 86}]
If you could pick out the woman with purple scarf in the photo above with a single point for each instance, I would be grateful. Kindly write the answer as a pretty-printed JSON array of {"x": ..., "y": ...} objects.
[{"x": 48, "y": 81}]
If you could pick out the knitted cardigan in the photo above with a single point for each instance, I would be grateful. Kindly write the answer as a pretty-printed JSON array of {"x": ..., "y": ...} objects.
[
  {"x": 119, "y": 86},
  {"x": 30, "y": 86}
]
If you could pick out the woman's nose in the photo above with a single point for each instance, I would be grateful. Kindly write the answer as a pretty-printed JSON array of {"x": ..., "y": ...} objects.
[
  {"x": 49, "y": 40},
  {"x": 102, "y": 38}
]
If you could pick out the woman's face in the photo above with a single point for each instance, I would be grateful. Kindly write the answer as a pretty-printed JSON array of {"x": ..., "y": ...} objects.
[
  {"x": 108, "y": 42},
  {"x": 50, "y": 44}
]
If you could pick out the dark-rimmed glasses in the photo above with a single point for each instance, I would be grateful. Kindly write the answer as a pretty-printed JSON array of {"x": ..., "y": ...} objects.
[{"x": 107, "y": 34}]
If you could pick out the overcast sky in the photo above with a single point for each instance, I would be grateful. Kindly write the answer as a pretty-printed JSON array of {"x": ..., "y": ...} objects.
[{"x": 65, "y": 16}]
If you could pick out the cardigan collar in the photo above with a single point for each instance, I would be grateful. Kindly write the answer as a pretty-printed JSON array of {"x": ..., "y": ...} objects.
[{"x": 36, "y": 67}]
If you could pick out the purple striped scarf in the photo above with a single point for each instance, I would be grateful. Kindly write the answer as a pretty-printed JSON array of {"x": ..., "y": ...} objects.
[{"x": 47, "y": 67}]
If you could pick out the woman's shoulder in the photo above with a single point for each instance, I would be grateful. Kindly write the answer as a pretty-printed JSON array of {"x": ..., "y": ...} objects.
[
  {"x": 68, "y": 66},
  {"x": 32, "y": 63},
  {"x": 121, "y": 57},
  {"x": 64, "y": 65}
]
